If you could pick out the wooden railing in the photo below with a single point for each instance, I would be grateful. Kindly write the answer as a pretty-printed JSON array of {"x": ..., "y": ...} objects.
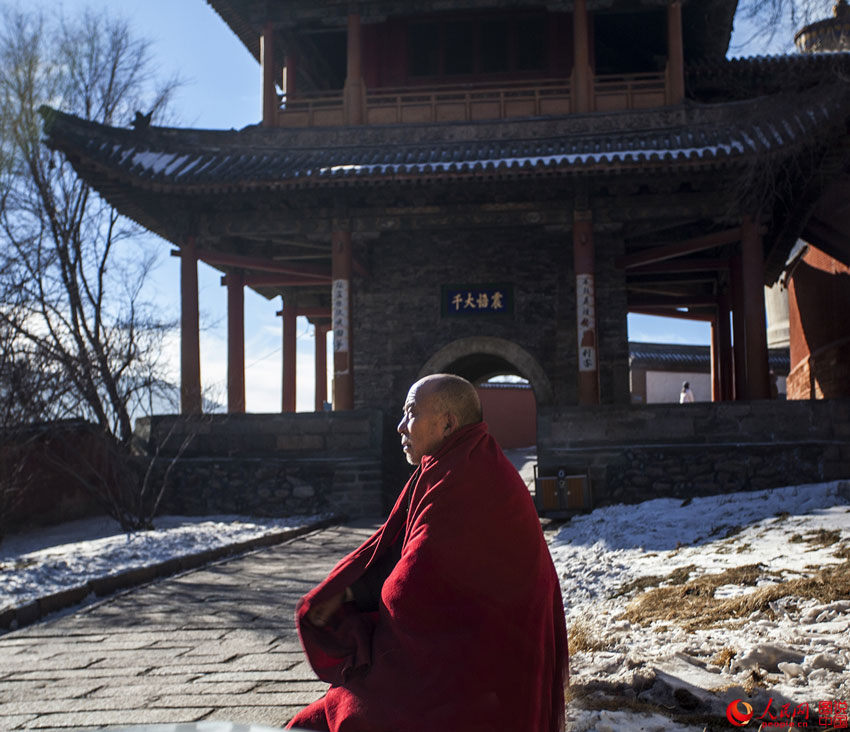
[
  {"x": 629, "y": 91},
  {"x": 466, "y": 103},
  {"x": 317, "y": 110},
  {"x": 471, "y": 102}
]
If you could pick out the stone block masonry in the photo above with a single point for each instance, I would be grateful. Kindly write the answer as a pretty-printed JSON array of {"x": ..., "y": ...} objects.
[
  {"x": 266, "y": 464},
  {"x": 634, "y": 453}
]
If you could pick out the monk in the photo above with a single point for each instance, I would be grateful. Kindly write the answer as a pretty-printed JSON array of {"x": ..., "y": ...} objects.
[{"x": 449, "y": 618}]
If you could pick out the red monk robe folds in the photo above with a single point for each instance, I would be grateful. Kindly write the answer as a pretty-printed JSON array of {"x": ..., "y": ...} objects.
[{"x": 469, "y": 634}]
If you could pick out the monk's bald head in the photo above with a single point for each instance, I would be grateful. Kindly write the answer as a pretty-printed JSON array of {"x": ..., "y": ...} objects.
[
  {"x": 452, "y": 394},
  {"x": 436, "y": 407}
]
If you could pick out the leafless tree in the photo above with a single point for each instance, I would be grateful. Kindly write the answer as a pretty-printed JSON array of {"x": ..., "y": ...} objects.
[
  {"x": 769, "y": 25},
  {"x": 78, "y": 338}
]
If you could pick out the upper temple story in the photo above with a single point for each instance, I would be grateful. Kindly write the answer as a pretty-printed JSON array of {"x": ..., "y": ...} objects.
[{"x": 328, "y": 63}]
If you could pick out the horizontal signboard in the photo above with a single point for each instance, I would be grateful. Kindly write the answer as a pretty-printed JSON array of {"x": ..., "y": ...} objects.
[{"x": 477, "y": 300}]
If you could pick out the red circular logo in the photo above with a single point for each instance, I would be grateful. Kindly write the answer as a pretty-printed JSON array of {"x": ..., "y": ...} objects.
[{"x": 739, "y": 713}]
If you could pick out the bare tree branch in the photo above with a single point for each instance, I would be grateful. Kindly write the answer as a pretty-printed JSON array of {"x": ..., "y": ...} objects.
[{"x": 78, "y": 337}]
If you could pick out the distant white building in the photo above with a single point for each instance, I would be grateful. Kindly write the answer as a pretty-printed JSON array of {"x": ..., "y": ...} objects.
[{"x": 657, "y": 371}]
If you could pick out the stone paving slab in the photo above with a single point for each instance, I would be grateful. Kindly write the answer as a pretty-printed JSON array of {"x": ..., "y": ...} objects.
[{"x": 216, "y": 643}]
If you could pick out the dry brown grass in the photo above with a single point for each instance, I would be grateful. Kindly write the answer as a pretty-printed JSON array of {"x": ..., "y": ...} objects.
[
  {"x": 842, "y": 552},
  {"x": 818, "y": 539},
  {"x": 676, "y": 577},
  {"x": 615, "y": 697},
  {"x": 723, "y": 656},
  {"x": 582, "y": 638},
  {"x": 692, "y": 605}
]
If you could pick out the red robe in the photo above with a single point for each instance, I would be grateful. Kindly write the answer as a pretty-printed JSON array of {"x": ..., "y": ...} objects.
[{"x": 470, "y": 633}]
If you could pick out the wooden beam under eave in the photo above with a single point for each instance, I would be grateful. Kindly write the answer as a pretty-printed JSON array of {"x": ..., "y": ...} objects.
[
  {"x": 682, "y": 265},
  {"x": 660, "y": 301},
  {"x": 265, "y": 265},
  {"x": 678, "y": 314},
  {"x": 680, "y": 249},
  {"x": 314, "y": 312},
  {"x": 272, "y": 279}
]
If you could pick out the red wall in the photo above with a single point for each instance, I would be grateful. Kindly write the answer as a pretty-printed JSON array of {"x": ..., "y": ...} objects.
[
  {"x": 819, "y": 324},
  {"x": 44, "y": 471},
  {"x": 511, "y": 415}
]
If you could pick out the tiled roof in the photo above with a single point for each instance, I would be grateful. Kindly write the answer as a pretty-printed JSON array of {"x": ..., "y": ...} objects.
[
  {"x": 817, "y": 63},
  {"x": 189, "y": 160},
  {"x": 674, "y": 356}
]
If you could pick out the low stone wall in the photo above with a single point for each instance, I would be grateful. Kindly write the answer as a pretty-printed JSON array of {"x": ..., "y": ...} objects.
[
  {"x": 641, "y": 452},
  {"x": 51, "y": 472},
  {"x": 266, "y": 464}
]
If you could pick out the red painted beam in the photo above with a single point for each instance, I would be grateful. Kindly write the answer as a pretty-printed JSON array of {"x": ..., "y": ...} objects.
[
  {"x": 679, "y": 249},
  {"x": 682, "y": 265},
  {"x": 662, "y": 301},
  {"x": 271, "y": 279},
  {"x": 310, "y": 312},
  {"x": 679, "y": 314},
  {"x": 224, "y": 259},
  {"x": 315, "y": 312}
]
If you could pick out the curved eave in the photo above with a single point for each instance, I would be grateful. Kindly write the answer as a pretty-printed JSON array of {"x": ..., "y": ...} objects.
[{"x": 99, "y": 176}]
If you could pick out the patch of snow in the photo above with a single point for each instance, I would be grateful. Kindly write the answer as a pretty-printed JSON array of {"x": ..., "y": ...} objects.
[
  {"x": 41, "y": 562},
  {"x": 797, "y": 653}
]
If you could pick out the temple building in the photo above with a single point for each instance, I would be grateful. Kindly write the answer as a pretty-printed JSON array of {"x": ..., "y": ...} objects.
[
  {"x": 490, "y": 187},
  {"x": 818, "y": 272}
]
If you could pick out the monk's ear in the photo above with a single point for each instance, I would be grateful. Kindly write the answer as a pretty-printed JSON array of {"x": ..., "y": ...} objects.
[{"x": 451, "y": 423}]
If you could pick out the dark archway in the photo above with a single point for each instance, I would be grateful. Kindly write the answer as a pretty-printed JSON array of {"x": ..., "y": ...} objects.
[
  {"x": 479, "y": 358},
  {"x": 510, "y": 406}
]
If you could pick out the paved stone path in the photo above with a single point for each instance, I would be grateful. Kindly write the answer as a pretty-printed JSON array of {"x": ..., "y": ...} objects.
[{"x": 214, "y": 644}]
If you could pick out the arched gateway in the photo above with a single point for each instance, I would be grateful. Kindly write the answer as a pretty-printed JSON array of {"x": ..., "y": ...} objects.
[{"x": 480, "y": 357}]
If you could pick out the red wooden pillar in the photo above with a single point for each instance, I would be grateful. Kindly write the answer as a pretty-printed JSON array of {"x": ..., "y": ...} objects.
[
  {"x": 321, "y": 366},
  {"x": 291, "y": 89},
  {"x": 715, "y": 359},
  {"x": 752, "y": 270},
  {"x": 724, "y": 332},
  {"x": 582, "y": 78},
  {"x": 235, "y": 341},
  {"x": 675, "y": 54},
  {"x": 738, "y": 330},
  {"x": 586, "y": 335},
  {"x": 290, "y": 324},
  {"x": 270, "y": 105},
  {"x": 190, "y": 339},
  {"x": 343, "y": 383},
  {"x": 354, "y": 89}
]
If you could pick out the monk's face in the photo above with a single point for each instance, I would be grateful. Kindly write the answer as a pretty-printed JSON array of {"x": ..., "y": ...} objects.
[{"x": 423, "y": 426}]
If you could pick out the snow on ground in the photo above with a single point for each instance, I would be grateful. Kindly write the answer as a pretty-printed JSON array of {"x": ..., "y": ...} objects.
[
  {"x": 626, "y": 676},
  {"x": 797, "y": 652},
  {"x": 44, "y": 561}
]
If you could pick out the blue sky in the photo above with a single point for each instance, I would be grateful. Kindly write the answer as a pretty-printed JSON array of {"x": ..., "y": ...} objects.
[{"x": 222, "y": 91}]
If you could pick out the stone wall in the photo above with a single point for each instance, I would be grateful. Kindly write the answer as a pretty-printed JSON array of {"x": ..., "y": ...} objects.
[
  {"x": 399, "y": 323},
  {"x": 642, "y": 452},
  {"x": 53, "y": 471},
  {"x": 266, "y": 464}
]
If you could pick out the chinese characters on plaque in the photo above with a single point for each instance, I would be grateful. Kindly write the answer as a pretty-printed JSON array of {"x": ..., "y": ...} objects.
[
  {"x": 340, "y": 314},
  {"x": 586, "y": 317},
  {"x": 470, "y": 300}
]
